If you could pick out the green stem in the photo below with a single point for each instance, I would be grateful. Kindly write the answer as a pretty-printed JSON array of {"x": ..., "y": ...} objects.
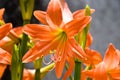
[
  {"x": 14, "y": 65},
  {"x": 37, "y": 66},
  {"x": 37, "y": 74},
  {"x": 23, "y": 49},
  {"x": 26, "y": 10},
  {"x": 78, "y": 66},
  {"x": 83, "y": 38},
  {"x": 82, "y": 41}
]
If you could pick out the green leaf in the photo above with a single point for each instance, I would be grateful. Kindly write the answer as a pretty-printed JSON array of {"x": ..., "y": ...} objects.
[{"x": 14, "y": 64}]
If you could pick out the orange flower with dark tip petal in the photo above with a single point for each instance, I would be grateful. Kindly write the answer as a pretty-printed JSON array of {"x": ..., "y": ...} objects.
[
  {"x": 4, "y": 28},
  {"x": 57, "y": 35},
  {"x": 108, "y": 69}
]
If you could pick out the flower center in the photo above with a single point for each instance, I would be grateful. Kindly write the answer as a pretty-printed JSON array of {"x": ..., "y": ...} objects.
[{"x": 61, "y": 35}]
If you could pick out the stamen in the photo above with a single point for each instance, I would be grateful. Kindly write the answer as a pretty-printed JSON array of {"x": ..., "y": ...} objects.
[
  {"x": 56, "y": 59},
  {"x": 47, "y": 63}
]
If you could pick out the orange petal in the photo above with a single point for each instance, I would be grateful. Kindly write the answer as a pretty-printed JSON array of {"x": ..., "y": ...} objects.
[
  {"x": 53, "y": 11},
  {"x": 28, "y": 75},
  {"x": 118, "y": 53},
  {"x": 81, "y": 13},
  {"x": 60, "y": 58},
  {"x": 14, "y": 35},
  {"x": 75, "y": 50},
  {"x": 115, "y": 73},
  {"x": 88, "y": 73},
  {"x": 4, "y": 41},
  {"x": 100, "y": 72},
  {"x": 94, "y": 57},
  {"x": 40, "y": 32},
  {"x": 71, "y": 68},
  {"x": 83, "y": 76},
  {"x": 16, "y": 31},
  {"x": 111, "y": 58},
  {"x": 2, "y": 69},
  {"x": 7, "y": 44},
  {"x": 89, "y": 39},
  {"x": 66, "y": 13},
  {"x": 41, "y": 16},
  {"x": 40, "y": 49},
  {"x": 76, "y": 25},
  {"x": 1, "y": 13},
  {"x": 4, "y": 29},
  {"x": 59, "y": 66},
  {"x": 5, "y": 57}
]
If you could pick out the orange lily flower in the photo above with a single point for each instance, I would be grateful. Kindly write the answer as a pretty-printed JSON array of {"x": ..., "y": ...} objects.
[
  {"x": 108, "y": 69},
  {"x": 57, "y": 35},
  {"x": 67, "y": 15}
]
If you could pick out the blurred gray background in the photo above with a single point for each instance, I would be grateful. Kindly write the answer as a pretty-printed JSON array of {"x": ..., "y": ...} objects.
[{"x": 105, "y": 27}]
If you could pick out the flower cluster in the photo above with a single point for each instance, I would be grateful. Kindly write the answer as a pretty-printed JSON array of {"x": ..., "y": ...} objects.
[{"x": 63, "y": 35}]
